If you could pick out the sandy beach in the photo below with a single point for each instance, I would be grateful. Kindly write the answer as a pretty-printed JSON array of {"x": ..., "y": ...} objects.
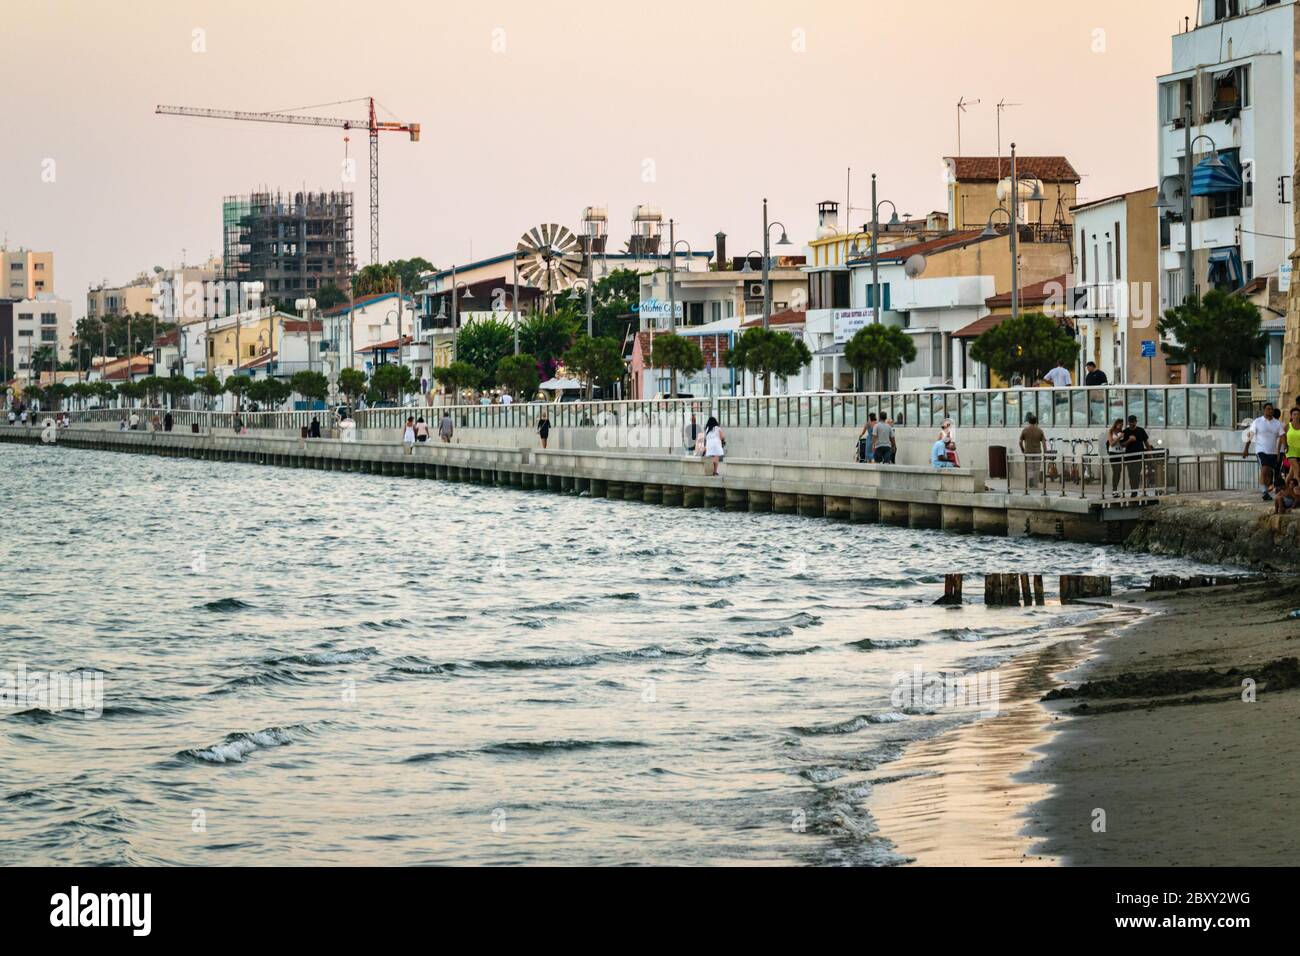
[{"x": 1144, "y": 752}]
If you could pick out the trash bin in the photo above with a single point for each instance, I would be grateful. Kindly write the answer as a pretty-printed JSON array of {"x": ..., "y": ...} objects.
[
  {"x": 194, "y": 428},
  {"x": 997, "y": 461},
  {"x": 304, "y": 432}
]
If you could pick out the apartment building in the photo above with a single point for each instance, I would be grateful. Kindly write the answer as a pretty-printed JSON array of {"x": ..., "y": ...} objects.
[{"x": 25, "y": 274}]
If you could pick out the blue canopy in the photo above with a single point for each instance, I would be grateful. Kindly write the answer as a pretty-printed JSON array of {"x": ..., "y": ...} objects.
[
  {"x": 1228, "y": 259},
  {"x": 1207, "y": 179}
]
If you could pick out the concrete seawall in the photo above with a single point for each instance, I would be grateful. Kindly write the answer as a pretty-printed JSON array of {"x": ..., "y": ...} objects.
[
  {"x": 953, "y": 500},
  {"x": 1220, "y": 531}
]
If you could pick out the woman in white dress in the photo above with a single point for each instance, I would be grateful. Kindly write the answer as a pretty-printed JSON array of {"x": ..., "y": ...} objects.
[{"x": 715, "y": 442}]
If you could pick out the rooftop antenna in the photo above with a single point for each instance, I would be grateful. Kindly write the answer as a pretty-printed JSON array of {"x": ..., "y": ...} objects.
[
  {"x": 1002, "y": 105},
  {"x": 961, "y": 108}
]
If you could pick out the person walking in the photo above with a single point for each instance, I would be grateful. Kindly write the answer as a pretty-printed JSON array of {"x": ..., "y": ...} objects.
[
  {"x": 408, "y": 435},
  {"x": 884, "y": 447},
  {"x": 1115, "y": 453},
  {"x": 445, "y": 426},
  {"x": 313, "y": 429},
  {"x": 167, "y": 422},
  {"x": 1291, "y": 445},
  {"x": 690, "y": 433},
  {"x": 1268, "y": 434},
  {"x": 421, "y": 430},
  {"x": 715, "y": 442},
  {"x": 1095, "y": 377},
  {"x": 544, "y": 428}
]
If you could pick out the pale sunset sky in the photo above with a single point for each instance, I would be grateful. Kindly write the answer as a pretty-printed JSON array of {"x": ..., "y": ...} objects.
[{"x": 531, "y": 111}]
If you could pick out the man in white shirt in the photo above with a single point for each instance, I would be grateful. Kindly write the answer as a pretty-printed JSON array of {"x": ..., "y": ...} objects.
[
  {"x": 1267, "y": 433},
  {"x": 1059, "y": 376},
  {"x": 506, "y": 399}
]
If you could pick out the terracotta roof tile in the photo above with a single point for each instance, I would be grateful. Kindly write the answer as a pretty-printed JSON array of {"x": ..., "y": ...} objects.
[{"x": 986, "y": 169}]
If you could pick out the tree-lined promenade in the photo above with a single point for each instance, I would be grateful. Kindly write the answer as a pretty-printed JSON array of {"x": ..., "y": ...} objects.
[{"x": 1216, "y": 337}]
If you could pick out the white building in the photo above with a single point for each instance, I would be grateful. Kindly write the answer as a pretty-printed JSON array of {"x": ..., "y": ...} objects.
[
  {"x": 40, "y": 322},
  {"x": 1236, "y": 69}
]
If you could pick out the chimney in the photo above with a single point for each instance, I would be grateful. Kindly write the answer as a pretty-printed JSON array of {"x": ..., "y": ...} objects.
[{"x": 720, "y": 250}]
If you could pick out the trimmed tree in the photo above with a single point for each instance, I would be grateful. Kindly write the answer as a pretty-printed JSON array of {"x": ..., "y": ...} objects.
[
  {"x": 1028, "y": 345},
  {"x": 312, "y": 386},
  {"x": 767, "y": 352},
  {"x": 879, "y": 348},
  {"x": 596, "y": 360},
  {"x": 518, "y": 375},
  {"x": 210, "y": 386},
  {"x": 1219, "y": 332},
  {"x": 352, "y": 383},
  {"x": 237, "y": 385},
  {"x": 459, "y": 376},
  {"x": 391, "y": 381},
  {"x": 679, "y": 354}
]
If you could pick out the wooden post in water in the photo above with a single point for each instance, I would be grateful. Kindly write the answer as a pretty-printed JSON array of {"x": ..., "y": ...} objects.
[
  {"x": 951, "y": 589},
  {"x": 1026, "y": 596},
  {"x": 1038, "y": 590},
  {"x": 1002, "y": 590},
  {"x": 1078, "y": 587}
]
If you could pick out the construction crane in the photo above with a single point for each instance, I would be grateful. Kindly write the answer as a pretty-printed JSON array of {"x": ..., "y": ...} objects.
[{"x": 373, "y": 125}]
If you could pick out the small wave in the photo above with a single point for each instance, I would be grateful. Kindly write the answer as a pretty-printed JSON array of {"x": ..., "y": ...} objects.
[
  {"x": 226, "y": 605},
  {"x": 325, "y": 658},
  {"x": 760, "y": 650},
  {"x": 850, "y": 726},
  {"x": 536, "y": 747},
  {"x": 968, "y": 634},
  {"x": 416, "y": 665},
  {"x": 238, "y": 746},
  {"x": 624, "y": 596},
  {"x": 883, "y": 644}
]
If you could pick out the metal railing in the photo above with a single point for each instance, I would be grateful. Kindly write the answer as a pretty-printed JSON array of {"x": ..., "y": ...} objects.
[
  {"x": 1174, "y": 406},
  {"x": 1127, "y": 476}
]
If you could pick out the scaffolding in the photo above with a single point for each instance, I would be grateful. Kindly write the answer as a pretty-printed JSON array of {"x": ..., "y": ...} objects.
[{"x": 292, "y": 243}]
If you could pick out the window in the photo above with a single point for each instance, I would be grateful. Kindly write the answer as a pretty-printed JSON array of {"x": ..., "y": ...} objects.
[
  {"x": 15, "y": 267},
  {"x": 1083, "y": 254},
  {"x": 25, "y": 333},
  {"x": 1227, "y": 92},
  {"x": 49, "y": 318},
  {"x": 1173, "y": 287},
  {"x": 1119, "y": 266},
  {"x": 38, "y": 266},
  {"x": 1173, "y": 98},
  {"x": 49, "y": 335},
  {"x": 1226, "y": 8},
  {"x": 884, "y": 296}
]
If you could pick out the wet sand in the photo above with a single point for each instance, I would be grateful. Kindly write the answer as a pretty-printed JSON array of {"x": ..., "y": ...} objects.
[{"x": 1158, "y": 737}]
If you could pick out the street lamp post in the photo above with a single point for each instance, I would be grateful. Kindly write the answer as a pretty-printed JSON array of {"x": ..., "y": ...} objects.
[
  {"x": 1185, "y": 180},
  {"x": 673, "y": 243},
  {"x": 767, "y": 255},
  {"x": 876, "y": 308},
  {"x": 514, "y": 301}
]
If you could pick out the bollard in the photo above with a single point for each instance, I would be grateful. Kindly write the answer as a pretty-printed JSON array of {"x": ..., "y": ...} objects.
[{"x": 1002, "y": 590}]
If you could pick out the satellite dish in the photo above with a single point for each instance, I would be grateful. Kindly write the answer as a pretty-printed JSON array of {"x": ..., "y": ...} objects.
[
  {"x": 914, "y": 266},
  {"x": 550, "y": 257}
]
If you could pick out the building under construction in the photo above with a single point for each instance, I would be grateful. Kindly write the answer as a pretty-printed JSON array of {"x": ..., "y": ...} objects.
[{"x": 293, "y": 244}]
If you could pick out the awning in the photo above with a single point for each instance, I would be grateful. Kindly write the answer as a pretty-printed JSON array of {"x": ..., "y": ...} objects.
[
  {"x": 1208, "y": 180},
  {"x": 1228, "y": 259},
  {"x": 560, "y": 385}
]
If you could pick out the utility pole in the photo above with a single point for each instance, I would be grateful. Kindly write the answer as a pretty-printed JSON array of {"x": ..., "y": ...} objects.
[
  {"x": 767, "y": 255},
  {"x": 1189, "y": 273},
  {"x": 875, "y": 257},
  {"x": 399, "y": 317},
  {"x": 1015, "y": 236},
  {"x": 514, "y": 302}
]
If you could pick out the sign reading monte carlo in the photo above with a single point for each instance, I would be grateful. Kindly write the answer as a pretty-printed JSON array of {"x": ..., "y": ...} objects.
[
  {"x": 849, "y": 321},
  {"x": 658, "y": 309}
]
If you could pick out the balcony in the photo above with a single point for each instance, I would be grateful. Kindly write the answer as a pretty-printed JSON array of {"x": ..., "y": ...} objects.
[{"x": 1099, "y": 299}]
